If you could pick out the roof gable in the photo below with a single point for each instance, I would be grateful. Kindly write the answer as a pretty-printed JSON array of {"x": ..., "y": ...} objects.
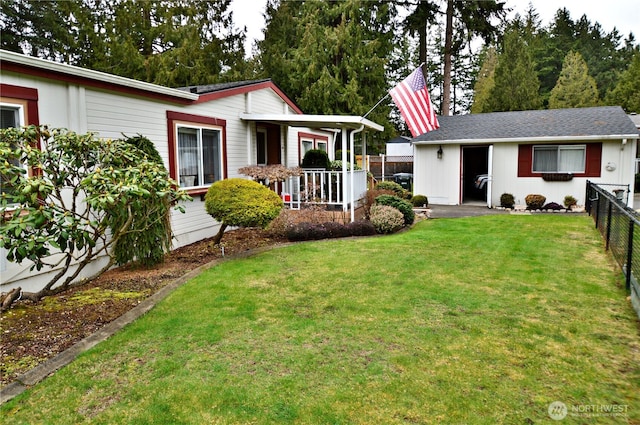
[
  {"x": 211, "y": 92},
  {"x": 573, "y": 123}
]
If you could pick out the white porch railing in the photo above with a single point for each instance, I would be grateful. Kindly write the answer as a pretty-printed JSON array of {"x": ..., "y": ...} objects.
[{"x": 324, "y": 187}]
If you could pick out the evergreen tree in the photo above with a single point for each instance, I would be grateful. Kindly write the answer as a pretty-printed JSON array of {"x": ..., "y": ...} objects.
[
  {"x": 627, "y": 91},
  {"x": 172, "y": 42},
  {"x": 516, "y": 83},
  {"x": 330, "y": 57},
  {"x": 575, "y": 87},
  {"x": 485, "y": 81}
]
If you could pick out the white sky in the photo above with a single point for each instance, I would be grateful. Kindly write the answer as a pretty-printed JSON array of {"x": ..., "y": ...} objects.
[{"x": 622, "y": 14}]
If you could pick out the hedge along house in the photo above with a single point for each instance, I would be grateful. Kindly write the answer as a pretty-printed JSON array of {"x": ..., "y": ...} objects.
[
  {"x": 203, "y": 133},
  {"x": 547, "y": 152}
]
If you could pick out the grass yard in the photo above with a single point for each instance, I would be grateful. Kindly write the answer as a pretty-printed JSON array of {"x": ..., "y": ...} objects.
[{"x": 464, "y": 321}]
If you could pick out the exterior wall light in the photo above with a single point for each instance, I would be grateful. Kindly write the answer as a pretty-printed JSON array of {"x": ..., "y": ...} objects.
[{"x": 440, "y": 152}]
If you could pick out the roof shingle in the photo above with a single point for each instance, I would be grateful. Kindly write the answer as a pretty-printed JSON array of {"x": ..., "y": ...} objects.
[{"x": 561, "y": 123}]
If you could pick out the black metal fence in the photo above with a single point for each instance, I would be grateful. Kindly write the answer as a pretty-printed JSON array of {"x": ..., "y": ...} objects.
[{"x": 619, "y": 225}]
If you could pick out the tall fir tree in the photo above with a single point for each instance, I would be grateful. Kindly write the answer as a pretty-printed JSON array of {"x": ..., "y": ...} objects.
[
  {"x": 575, "y": 87},
  {"x": 627, "y": 90},
  {"x": 485, "y": 81},
  {"x": 331, "y": 57},
  {"x": 516, "y": 83},
  {"x": 172, "y": 42}
]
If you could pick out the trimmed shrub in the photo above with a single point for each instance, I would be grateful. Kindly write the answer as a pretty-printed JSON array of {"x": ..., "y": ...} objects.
[
  {"x": 241, "y": 202},
  {"x": 386, "y": 219},
  {"x": 153, "y": 215},
  {"x": 370, "y": 199},
  {"x": 507, "y": 200},
  {"x": 400, "y": 204},
  {"x": 553, "y": 206},
  {"x": 336, "y": 230},
  {"x": 570, "y": 201},
  {"x": 316, "y": 158},
  {"x": 393, "y": 186},
  {"x": 534, "y": 202},
  {"x": 307, "y": 232},
  {"x": 361, "y": 228},
  {"x": 419, "y": 201}
]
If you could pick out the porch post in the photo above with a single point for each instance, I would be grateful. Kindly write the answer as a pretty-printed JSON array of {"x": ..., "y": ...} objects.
[
  {"x": 344, "y": 169},
  {"x": 352, "y": 147},
  {"x": 490, "y": 176}
]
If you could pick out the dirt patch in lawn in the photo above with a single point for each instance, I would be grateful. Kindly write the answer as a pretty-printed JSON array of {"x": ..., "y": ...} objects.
[{"x": 32, "y": 333}]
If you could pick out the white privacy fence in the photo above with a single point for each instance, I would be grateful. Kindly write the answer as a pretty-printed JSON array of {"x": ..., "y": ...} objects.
[{"x": 324, "y": 187}]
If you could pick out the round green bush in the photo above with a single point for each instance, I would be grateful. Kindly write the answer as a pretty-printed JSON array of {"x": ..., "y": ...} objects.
[
  {"x": 386, "y": 219},
  {"x": 419, "y": 201},
  {"x": 400, "y": 204},
  {"x": 244, "y": 203},
  {"x": 507, "y": 200},
  {"x": 316, "y": 158}
]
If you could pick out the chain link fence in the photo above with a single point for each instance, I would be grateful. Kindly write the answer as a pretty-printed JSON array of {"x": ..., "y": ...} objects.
[{"x": 620, "y": 228}]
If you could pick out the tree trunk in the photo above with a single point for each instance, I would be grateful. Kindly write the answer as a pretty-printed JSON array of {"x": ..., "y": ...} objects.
[
  {"x": 422, "y": 46},
  {"x": 448, "y": 45},
  {"x": 218, "y": 237}
]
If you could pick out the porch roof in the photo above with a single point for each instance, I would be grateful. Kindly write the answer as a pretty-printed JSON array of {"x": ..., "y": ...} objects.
[
  {"x": 350, "y": 122},
  {"x": 552, "y": 125}
]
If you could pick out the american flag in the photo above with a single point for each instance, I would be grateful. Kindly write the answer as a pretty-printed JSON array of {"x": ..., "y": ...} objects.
[{"x": 412, "y": 98}]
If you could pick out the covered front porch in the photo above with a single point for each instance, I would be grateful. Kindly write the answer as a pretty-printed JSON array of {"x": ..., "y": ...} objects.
[{"x": 339, "y": 188}]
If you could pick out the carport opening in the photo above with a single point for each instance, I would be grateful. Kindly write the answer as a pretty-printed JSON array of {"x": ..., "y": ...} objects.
[{"x": 475, "y": 168}]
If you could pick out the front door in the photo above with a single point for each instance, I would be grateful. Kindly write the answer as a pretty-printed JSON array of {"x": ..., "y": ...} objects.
[{"x": 269, "y": 149}]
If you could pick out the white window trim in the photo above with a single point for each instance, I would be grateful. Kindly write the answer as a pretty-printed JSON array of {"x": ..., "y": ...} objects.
[
  {"x": 199, "y": 128},
  {"x": 558, "y": 149},
  {"x": 19, "y": 107}
]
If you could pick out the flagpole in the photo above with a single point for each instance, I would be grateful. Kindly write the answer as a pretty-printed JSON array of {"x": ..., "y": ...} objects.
[
  {"x": 424, "y": 72},
  {"x": 376, "y": 105}
]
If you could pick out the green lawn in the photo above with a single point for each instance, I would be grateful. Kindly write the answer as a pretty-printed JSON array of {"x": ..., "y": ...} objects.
[{"x": 464, "y": 321}]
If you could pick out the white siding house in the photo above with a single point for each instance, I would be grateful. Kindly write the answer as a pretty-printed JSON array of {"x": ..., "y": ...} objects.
[
  {"x": 59, "y": 95},
  {"x": 547, "y": 152}
]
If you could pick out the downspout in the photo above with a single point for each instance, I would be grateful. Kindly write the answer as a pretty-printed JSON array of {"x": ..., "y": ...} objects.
[{"x": 351, "y": 159}]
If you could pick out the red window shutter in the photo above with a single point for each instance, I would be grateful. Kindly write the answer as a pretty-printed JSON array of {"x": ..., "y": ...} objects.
[{"x": 525, "y": 158}]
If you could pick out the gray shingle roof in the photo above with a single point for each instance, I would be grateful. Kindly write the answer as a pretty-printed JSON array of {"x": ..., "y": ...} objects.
[
  {"x": 560, "y": 123},
  {"x": 210, "y": 88}
]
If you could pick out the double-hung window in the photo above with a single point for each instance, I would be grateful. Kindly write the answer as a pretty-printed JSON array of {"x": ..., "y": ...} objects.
[
  {"x": 199, "y": 155},
  {"x": 559, "y": 159}
]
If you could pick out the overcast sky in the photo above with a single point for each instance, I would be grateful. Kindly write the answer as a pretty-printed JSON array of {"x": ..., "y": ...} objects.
[{"x": 622, "y": 14}]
